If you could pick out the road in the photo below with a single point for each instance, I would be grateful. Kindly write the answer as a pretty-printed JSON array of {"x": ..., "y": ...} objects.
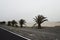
[{"x": 5, "y": 35}]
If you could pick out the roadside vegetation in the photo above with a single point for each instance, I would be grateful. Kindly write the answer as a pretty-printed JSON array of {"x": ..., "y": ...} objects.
[
  {"x": 22, "y": 22},
  {"x": 14, "y": 23},
  {"x": 2, "y": 22},
  {"x": 9, "y": 23},
  {"x": 39, "y": 19}
]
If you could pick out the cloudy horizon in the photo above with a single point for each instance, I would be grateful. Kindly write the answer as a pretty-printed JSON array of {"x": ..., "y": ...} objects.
[{"x": 28, "y": 9}]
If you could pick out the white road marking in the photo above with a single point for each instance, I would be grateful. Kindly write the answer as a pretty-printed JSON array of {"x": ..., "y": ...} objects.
[{"x": 15, "y": 33}]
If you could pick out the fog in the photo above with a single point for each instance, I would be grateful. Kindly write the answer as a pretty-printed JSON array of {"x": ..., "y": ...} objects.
[{"x": 28, "y": 9}]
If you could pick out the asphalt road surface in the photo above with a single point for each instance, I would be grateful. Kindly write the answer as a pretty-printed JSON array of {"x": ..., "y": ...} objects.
[{"x": 5, "y": 35}]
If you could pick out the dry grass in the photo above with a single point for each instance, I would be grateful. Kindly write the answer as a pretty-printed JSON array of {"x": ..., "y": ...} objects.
[{"x": 46, "y": 33}]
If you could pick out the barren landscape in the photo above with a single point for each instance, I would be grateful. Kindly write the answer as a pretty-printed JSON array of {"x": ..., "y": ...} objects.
[{"x": 46, "y": 33}]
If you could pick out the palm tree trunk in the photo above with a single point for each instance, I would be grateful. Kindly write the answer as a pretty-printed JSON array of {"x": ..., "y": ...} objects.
[
  {"x": 21, "y": 26},
  {"x": 39, "y": 26}
]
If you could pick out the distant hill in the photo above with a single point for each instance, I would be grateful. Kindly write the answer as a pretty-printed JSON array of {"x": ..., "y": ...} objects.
[
  {"x": 51, "y": 24},
  {"x": 46, "y": 24}
]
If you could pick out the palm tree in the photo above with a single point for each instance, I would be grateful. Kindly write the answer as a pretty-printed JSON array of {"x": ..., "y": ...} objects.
[
  {"x": 9, "y": 23},
  {"x": 3, "y": 22},
  {"x": 13, "y": 22},
  {"x": 21, "y": 22},
  {"x": 39, "y": 20}
]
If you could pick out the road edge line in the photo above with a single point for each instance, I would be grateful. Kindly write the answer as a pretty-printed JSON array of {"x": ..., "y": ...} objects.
[{"x": 15, "y": 33}]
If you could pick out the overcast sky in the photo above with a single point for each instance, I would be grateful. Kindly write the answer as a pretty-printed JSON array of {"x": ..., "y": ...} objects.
[{"x": 28, "y": 9}]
